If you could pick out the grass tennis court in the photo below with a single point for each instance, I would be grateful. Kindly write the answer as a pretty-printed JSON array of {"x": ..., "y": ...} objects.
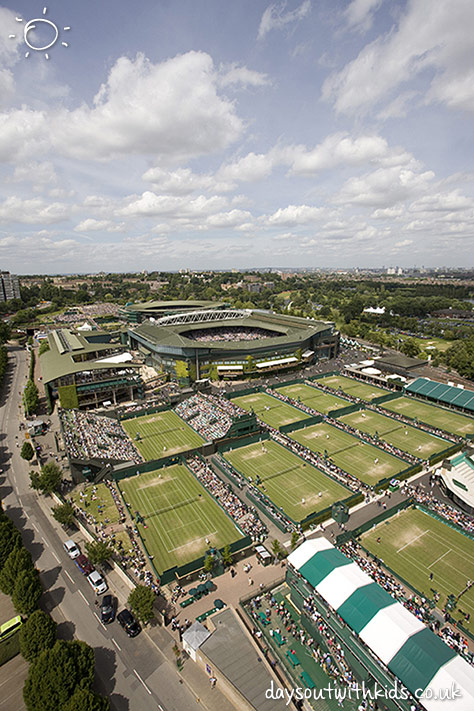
[
  {"x": 317, "y": 399},
  {"x": 179, "y": 515},
  {"x": 366, "y": 391},
  {"x": 405, "y": 437},
  {"x": 432, "y": 415},
  {"x": 272, "y": 411},
  {"x": 97, "y": 501},
  {"x": 293, "y": 485},
  {"x": 414, "y": 544},
  {"x": 162, "y": 434},
  {"x": 362, "y": 460}
]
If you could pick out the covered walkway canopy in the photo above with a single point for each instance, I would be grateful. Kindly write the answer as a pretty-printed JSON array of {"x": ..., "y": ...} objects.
[
  {"x": 410, "y": 650},
  {"x": 439, "y": 392}
]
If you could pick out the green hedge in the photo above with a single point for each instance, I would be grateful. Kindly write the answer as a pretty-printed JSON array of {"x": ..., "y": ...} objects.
[{"x": 3, "y": 362}]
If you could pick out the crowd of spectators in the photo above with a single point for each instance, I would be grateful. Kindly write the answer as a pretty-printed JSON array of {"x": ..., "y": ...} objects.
[
  {"x": 246, "y": 518},
  {"x": 88, "y": 436},
  {"x": 446, "y": 511},
  {"x": 208, "y": 415},
  {"x": 230, "y": 333}
]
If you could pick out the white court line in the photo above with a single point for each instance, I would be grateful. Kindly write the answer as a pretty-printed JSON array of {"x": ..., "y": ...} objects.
[
  {"x": 66, "y": 573},
  {"x": 83, "y": 597},
  {"x": 412, "y": 541},
  {"x": 119, "y": 648},
  {"x": 440, "y": 558},
  {"x": 201, "y": 538},
  {"x": 140, "y": 679}
]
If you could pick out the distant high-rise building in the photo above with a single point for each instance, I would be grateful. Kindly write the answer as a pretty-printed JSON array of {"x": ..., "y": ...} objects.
[{"x": 9, "y": 286}]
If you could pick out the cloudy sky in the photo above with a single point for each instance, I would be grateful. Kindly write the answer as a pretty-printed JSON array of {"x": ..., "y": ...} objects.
[{"x": 217, "y": 134}]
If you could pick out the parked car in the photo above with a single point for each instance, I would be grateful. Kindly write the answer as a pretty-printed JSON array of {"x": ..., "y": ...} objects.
[
  {"x": 71, "y": 549},
  {"x": 107, "y": 609},
  {"x": 97, "y": 582},
  {"x": 129, "y": 623},
  {"x": 83, "y": 564}
]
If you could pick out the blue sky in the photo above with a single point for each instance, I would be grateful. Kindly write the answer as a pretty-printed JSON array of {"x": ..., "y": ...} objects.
[{"x": 207, "y": 134}]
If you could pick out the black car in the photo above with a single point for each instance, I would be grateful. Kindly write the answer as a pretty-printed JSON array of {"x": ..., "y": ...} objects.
[
  {"x": 129, "y": 623},
  {"x": 107, "y": 609}
]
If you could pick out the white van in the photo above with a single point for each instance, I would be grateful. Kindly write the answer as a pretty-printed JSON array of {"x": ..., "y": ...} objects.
[
  {"x": 71, "y": 549},
  {"x": 97, "y": 582}
]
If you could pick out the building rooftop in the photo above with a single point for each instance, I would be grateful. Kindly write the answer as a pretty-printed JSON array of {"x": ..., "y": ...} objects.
[{"x": 230, "y": 650}]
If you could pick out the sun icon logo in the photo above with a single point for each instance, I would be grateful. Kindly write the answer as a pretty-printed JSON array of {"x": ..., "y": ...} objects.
[{"x": 33, "y": 24}]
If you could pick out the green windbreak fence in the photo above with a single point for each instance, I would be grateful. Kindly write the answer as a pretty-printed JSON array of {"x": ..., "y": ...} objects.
[
  {"x": 388, "y": 513},
  {"x": 227, "y": 471},
  {"x": 300, "y": 424},
  {"x": 386, "y": 398},
  {"x": 261, "y": 507},
  {"x": 226, "y": 446},
  {"x": 401, "y": 476},
  {"x": 320, "y": 516},
  {"x": 142, "y": 413},
  {"x": 120, "y": 473},
  {"x": 445, "y": 453},
  {"x": 451, "y": 524},
  {"x": 347, "y": 410},
  {"x": 245, "y": 391}
]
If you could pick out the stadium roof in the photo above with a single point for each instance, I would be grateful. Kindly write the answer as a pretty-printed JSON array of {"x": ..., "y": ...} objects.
[
  {"x": 290, "y": 328},
  {"x": 399, "y": 360},
  {"x": 458, "y": 476},
  {"x": 65, "y": 346},
  {"x": 418, "y": 658},
  {"x": 448, "y": 394}
]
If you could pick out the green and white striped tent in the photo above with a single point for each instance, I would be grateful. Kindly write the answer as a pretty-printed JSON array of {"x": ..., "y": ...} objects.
[{"x": 418, "y": 657}]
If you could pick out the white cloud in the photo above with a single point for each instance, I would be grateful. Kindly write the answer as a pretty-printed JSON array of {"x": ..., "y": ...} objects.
[
  {"x": 32, "y": 211},
  {"x": 233, "y": 218},
  {"x": 171, "y": 110},
  {"x": 384, "y": 187},
  {"x": 250, "y": 167},
  {"x": 39, "y": 174},
  {"x": 92, "y": 225},
  {"x": 184, "y": 182},
  {"x": 359, "y": 14},
  {"x": 430, "y": 38},
  {"x": 295, "y": 215},
  {"x": 275, "y": 17},
  {"x": 150, "y": 204},
  {"x": 339, "y": 149},
  {"x": 404, "y": 243},
  {"x": 238, "y": 74}
]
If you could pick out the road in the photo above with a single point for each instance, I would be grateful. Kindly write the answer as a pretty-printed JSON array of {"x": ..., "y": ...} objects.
[{"x": 133, "y": 673}]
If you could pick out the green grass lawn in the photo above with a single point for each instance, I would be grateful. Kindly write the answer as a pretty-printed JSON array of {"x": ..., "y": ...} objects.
[
  {"x": 366, "y": 391},
  {"x": 286, "y": 479},
  {"x": 317, "y": 399},
  {"x": 179, "y": 515},
  {"x": 278, "y": 413},
  {"x": 162, "y": 434},
  {"x": 413, "y": 545},
  {"x": 405, "y": 437},
  {"x": 432, "y": 415},
  {"x": 362, "y": 460},
  {"x": 91, "y": 501}
]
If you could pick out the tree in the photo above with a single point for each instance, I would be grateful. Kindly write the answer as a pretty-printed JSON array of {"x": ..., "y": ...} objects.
[
  {"x": 85, "y": 700},
  {"x": 44, "y": 347},
  {"x": 56, "y": 674},
  {"x": 410, "y": 348},
  {"x": 37, "y": 634},
  {"x": 9, "y": 539},
  {"x": 276, "y": 548},
  {"x": 27, "y": 451},
  {"x": 48, "y": 480},
  {"x": 18, "y": 561},
  {"x": 31, "y": 397},
  {"x": 141, "y": 601},
  {"x": 227, "y": 556},
  {"x": 209, "y": 562},
  {"x": 27, "y": 592},
  {"x": 98, "y": 552},
  {"x": 295, "y": 536},
  {"x": 5, "y": 332},
  {"x": 64, "y": 514}
]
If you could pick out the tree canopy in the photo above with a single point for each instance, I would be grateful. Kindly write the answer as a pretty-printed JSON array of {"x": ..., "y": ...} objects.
[
  {"x": 141, "y": 602},
  {"x": 37, "y": 634}
]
